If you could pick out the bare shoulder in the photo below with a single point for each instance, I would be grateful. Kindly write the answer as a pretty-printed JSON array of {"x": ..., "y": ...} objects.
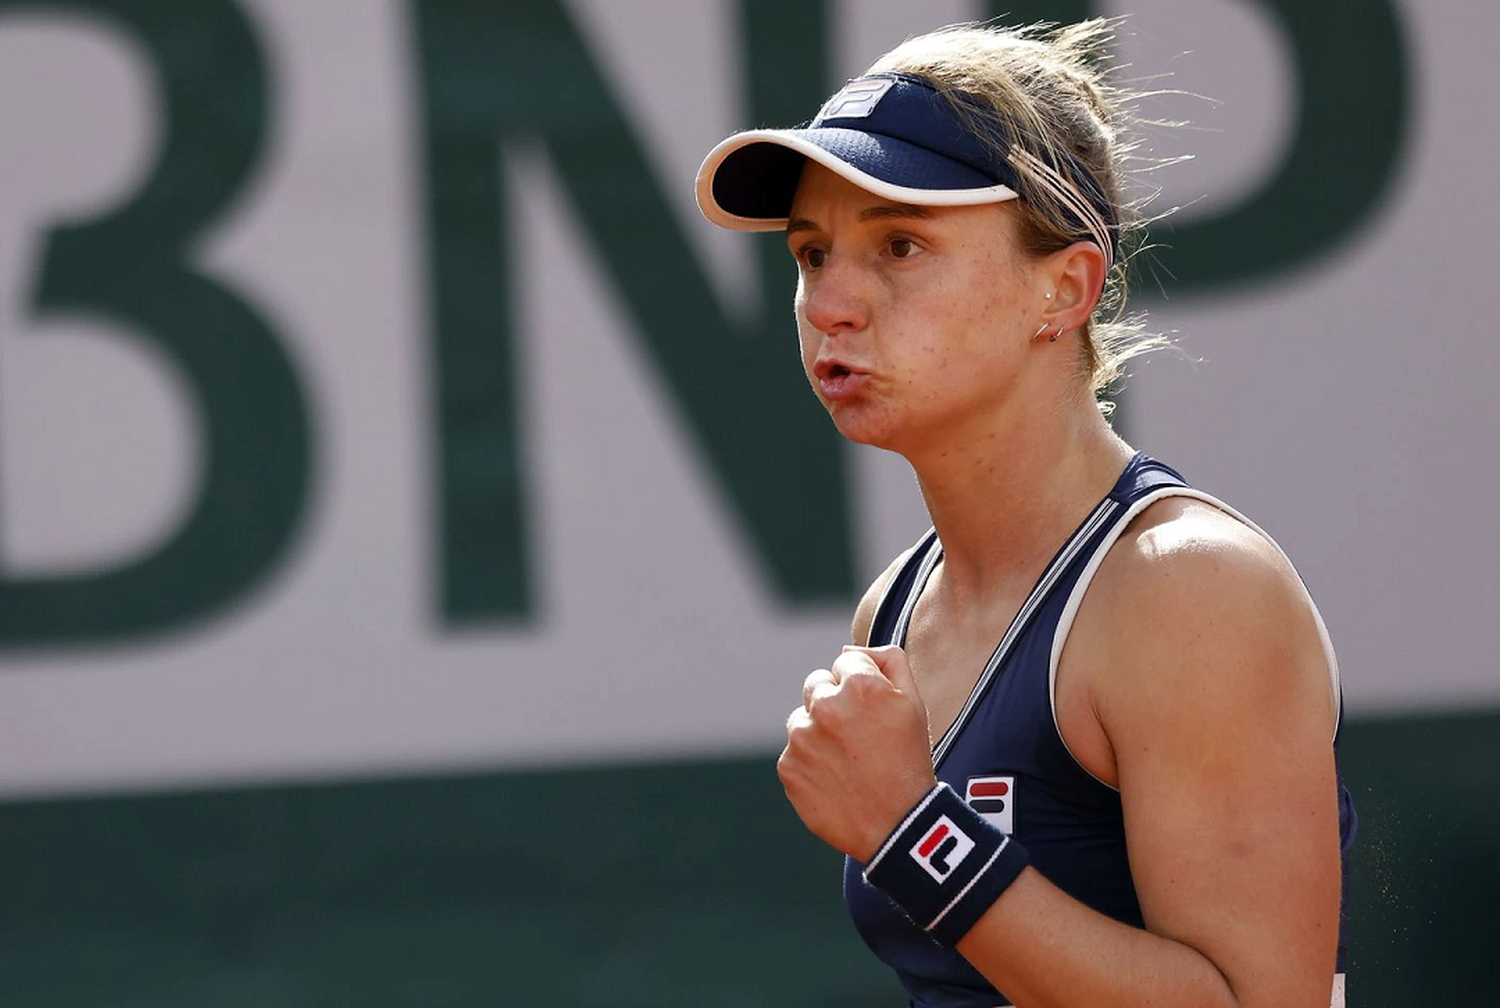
[
  {"x": 1182, "y": 544},
  {"x": 1183, "y": 556},
  {"x": 1204, "y": 670},
  {"x": 1193, "y": 602},
  {"x": 864, "y": 613}
]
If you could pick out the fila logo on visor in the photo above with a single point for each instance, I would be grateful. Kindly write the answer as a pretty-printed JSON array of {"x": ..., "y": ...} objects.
[
  {"x": 857, "y": 100},
  {"x": 995, "y": 799},
  {"x": 942, "y": 849}
]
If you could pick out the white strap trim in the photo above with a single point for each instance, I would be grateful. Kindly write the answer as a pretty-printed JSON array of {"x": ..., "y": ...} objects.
[
  {"x": 1105, "y": 511},
  {"x": 1075, "y": 600},
  {"x": 885, "y": 593},
  {"x": 930, "y": 560}
]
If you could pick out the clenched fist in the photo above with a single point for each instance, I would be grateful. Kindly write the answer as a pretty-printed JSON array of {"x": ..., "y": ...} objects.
[{"x": 857, "y": 756}]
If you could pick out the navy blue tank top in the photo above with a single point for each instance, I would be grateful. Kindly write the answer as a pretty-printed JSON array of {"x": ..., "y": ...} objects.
[{"x": 1005, "y": 755}]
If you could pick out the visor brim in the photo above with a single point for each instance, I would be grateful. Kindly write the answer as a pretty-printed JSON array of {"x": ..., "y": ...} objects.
[{"x": 747, "y": 182}]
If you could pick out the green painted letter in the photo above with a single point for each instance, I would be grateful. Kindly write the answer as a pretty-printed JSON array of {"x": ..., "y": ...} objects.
[{"x": 132, "y": 265}]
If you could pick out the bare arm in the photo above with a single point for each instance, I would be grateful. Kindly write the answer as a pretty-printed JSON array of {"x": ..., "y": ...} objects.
[{"x": 1219, "y": 714}]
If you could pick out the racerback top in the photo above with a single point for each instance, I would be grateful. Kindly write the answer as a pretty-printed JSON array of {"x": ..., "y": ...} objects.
[{"x": 1005, "y": 754}]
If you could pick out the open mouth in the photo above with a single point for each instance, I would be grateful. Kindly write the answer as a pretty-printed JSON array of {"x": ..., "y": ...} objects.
[
  {"x": 829, "y": 370},
  {"x": 838, "y": 382}
]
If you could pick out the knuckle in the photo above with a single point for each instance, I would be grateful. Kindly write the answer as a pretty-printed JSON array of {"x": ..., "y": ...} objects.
[
  {"x": 798, "y": 725},
  {"x": 851, "y": 663},
  {"x": 817, "y": 684}
]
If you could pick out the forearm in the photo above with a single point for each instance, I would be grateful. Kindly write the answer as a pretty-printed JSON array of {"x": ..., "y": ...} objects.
[{"x": 1044, "y": 949}]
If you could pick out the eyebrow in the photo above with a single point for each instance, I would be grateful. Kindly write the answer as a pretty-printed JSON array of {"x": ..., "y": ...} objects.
[
  {"x": 896, "y": 210},
  {"x": 882, "y": 212}
]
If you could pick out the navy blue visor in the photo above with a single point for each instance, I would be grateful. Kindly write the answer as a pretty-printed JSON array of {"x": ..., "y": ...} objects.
[{"x": 897, "y": 137}]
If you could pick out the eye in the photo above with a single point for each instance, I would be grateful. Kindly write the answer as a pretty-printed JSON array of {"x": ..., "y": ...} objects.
[
  {"x": 812, "y": 257},
  {"x": 902, "y": 248}
]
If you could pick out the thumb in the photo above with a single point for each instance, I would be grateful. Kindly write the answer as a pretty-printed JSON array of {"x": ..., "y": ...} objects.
[{"x": 891, "y": 661}]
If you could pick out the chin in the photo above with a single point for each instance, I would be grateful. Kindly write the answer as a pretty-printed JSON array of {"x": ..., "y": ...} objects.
[
  {"x": 861, "y": 428},
  {"x": 897, "y": 434}
]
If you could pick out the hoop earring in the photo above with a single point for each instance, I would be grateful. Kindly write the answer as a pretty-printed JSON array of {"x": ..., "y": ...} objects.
[
  {"x": 1041, "y": 329},
  {"x": 1053, "y": 337}
]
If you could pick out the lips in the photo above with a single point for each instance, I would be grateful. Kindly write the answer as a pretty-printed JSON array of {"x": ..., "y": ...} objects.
[{"x": 837, "y": 380}]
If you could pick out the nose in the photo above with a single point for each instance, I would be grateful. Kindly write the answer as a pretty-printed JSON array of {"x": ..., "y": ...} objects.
[{"x": 833, "y": 299}]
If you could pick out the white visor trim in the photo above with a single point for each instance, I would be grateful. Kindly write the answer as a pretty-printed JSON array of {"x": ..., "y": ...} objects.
[{"x": 885, "y": 190}]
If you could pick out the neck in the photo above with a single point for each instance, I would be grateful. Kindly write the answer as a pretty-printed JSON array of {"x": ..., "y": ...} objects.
[{"x": 1005, "y": 497}]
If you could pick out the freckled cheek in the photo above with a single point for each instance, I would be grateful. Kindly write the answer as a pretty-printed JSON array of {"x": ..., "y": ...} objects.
[{"x": 945, "y": 328}]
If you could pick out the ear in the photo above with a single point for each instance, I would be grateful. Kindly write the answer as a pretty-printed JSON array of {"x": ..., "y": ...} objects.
[{"x": 1076, "y": 278}]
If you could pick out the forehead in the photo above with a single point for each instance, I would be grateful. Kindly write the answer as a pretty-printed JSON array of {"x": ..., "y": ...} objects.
[{"x": 824, "y": 198}]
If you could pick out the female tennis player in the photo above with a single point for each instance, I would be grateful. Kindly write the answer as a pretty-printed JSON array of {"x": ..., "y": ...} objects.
[{"x": 1082, "y": 749}]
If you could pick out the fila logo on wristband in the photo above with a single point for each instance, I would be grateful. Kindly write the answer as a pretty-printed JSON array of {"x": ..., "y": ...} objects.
[
  {"x": 966, "y": 864},
  {"x": 942, "y": 848},
  {"x": 995, "y": 799}
]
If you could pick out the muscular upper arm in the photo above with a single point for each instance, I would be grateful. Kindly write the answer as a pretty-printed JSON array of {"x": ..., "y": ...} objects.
[
  {"x": 864, "y": 613},
  {"x": 1217, "y": 707}
]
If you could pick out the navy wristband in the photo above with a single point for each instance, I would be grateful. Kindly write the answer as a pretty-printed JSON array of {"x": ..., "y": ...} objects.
[{"x": 944, "y": 865}]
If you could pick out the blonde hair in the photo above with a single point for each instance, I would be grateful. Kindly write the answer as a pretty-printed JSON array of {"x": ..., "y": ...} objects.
[{"x": 1047, "y": 91}]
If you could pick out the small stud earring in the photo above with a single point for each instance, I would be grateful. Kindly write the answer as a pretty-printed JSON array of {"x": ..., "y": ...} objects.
[{"x": 1049, "y": 295}]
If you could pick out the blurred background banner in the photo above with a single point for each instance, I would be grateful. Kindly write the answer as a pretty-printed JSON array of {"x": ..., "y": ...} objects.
[{"x": 414, "y": 527}]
